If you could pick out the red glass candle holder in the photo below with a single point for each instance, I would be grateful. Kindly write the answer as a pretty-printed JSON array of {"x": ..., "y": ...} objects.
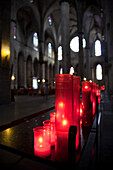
[
  {"x": 81, "y": 108},
  {"x": 52, "y": 117},
  {"x": 61, "y": 147},
  {"x": 98, "y": 93},
  {"x": 53, "y": 130},
  {"x": 42, "y": 146},
  {"x": 93, "y": 99},
  {"x": 63, "y": 101},
  {"x": 86, "y": 93},
  {"x": 76, "y": 107}
]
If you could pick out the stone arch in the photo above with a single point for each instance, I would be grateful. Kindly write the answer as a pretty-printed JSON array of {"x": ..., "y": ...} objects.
[
  {"x": 20, "y": 71},
  {"x": 29, "y": 71}
]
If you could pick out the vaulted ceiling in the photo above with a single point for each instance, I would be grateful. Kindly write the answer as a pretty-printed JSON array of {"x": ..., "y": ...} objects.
[{"x": 33, "y": 16}]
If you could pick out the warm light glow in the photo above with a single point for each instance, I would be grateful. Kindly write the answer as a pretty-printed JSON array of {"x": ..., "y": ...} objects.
[
  {"x": 81, "y": 112},
  {"x": 5, "y": 53},
  {"x": 12, "y": 77},
  {"x": 86, "y": 87},
  {"x": 38, "y": 81},
  {"x": 90, "y": 81},
  {"x": 64, "y": 122},
  {"x": 84, "y": 78},
  {"x": 40, "y": 139},
  {"x": 57, "y": 114},
  {"x": 43, "y": 80},
  {"x": 61, "y": 104}
]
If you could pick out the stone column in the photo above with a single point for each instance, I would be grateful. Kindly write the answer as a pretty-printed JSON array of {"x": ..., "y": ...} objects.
[
  {"x": 81, "y": 56},
  {"x": 25, "y": 74},
  {"x": 5, "y": 74},
  {"x": 56, "y": 61},
  {"x": 66, "y": 61},
  {"x": 80, "y": 5},
  {"x": 87, "y": 53}
]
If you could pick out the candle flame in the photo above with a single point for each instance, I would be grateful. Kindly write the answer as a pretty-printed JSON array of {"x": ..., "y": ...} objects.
[
  {"x": 86, "y": 87},
  {"x": 64, "y": 122},
  {"x": 61, "y": 104},
  {"x": 40, "y": 139}
]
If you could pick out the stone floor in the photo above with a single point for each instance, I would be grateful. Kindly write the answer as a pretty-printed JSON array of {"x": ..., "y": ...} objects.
[
  {"x": 28, "y": 105},
  {"x": 24, "y": 106}
]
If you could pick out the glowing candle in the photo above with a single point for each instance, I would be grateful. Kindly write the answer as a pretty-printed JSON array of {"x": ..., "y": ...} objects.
[
  {"x": 86, "y": 93},
  {"x": 63, "y": 101},
  {"x": 81, "y": 108},
  {"x": 98, "y": 93},
  {"x": 53, "y": 130},
  {"x": 61, "y": 147},
  {"x": 41, "y": 144},
  {"x": 93, "y": 99},
  {"x": 76, "y": 107}
]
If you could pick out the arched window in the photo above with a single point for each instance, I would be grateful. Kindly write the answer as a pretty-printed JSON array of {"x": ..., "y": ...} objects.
[
  {"x": 60, "y": 53},
  {"x": 74, "y": 44},
  {"x": 14, "y": 36},
  {"x": 50, "y": 20},
  {"x": 97, "y": 48},
  {"x": 99, "y": 72},
  {"x": 84, "y": 42},
  {"x": 35, "y": 41},
  {"x": 49, "y": 50}
]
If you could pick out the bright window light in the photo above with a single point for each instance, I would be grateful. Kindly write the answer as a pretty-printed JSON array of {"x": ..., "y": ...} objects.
[
  {"x": 60, "y": 53},
  {"x": 35, "y": 83},
  {"x": 84, "y": 42},
  {"x": 97, "y": 48},
  {"x": 49, "y": 50},
  {"x": 35, "y": 41},
  {"x": 99, "y": 72},
  {"x": 50, "y": 20},
  {"x": 74, "y": 44}
]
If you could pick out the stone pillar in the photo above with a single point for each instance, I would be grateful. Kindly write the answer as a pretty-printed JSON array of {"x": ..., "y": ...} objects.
[
  {"x": 80, "y": 5},
  {"x": 66, "y": 61},
  {"x": 41, "y": 47},
  {"x": 81, "y": 56},
  {"x": 87, "y": 53},
  {"x": 56, "y": 61},
  {"x": 5, "y": 75},
  {"x": 25, "y": 74}
]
